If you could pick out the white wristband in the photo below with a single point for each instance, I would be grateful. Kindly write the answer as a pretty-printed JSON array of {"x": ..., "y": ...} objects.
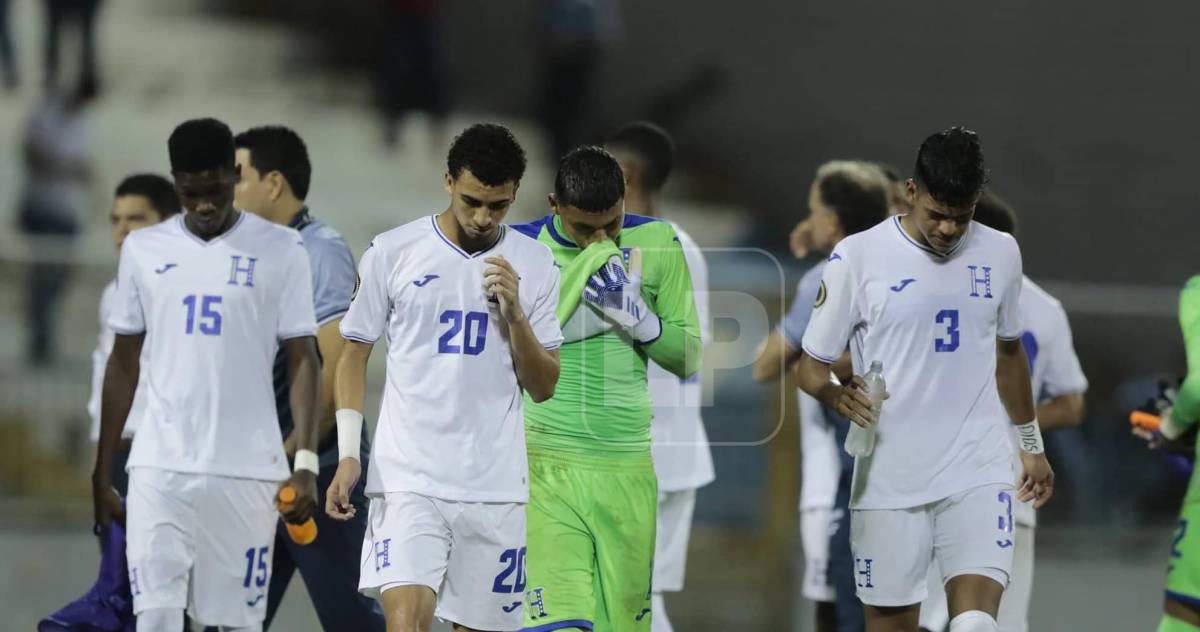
[
  {"x": 349, "y": 432},
  {"x": 1029, "y": 437},
  {"x": 307, "y": 460}
]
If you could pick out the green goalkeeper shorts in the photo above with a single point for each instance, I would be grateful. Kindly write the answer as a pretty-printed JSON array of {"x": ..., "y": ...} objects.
[
  {"x": 590, "y": 537},
  {"x": 1183, "y": 570}
]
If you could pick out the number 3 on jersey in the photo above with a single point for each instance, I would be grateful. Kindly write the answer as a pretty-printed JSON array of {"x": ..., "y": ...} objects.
[
  {"x": 948, "y": 318},
  {"x": 472, "y": 326}
]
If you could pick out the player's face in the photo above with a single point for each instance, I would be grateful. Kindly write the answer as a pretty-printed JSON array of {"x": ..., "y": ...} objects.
[
  {"x": 129, "y": 213},
  {"x": 826, "y": 229},
  {"x": 207, "y": 197},
  {"x": 253, "y": 192},
  {"x": 941, "y": 225},
  {"x": 479, "y": 208},
  {"x": 588, "y": 227}
]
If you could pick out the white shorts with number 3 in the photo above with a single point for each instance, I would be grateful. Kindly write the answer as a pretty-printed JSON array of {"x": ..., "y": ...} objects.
[{"x": 968, "y": 533}]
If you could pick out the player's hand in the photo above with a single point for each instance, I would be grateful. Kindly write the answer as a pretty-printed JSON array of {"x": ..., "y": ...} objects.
[
  {"x": 337, "y": 497},
  {"x": 616, "y": 292},
  {"x": 106, "y": 504},
  {"x": 305, "y": 484},
  {"x": 1037, "y": 479},
  {"x": 800, "y": 241},
  {"x": 853, "y": 403},
  {"x": 502, "y": 281}
]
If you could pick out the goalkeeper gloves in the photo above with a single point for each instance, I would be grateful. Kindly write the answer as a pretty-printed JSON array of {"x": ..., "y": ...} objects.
[{"x": 617, "y": 294}]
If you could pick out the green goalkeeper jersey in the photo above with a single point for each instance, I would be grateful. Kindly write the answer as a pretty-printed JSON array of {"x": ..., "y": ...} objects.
[
  {"x": 602, "y": 402},
  {"x": 1187, "y": 405}
]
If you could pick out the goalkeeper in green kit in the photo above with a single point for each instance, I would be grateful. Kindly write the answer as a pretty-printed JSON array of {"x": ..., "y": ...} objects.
[
  {"x": 1181, "y": 608},
  {"x": 625, "y": 296}
]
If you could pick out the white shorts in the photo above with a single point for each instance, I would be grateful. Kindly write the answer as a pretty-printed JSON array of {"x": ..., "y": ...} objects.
[
  {"x": 970, "y": 533},
  {"x": 471, "y": 554},
  {"x": 1014, "y": 606},
  {"x": 817, "y": 525},
  {"x": 674, "y": 527},
  {"x": 200, "y": 542}
]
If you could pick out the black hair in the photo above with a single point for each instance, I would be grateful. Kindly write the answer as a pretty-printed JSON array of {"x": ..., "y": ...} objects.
[
  {"x": 950, "y": 167},
  {"x": 856, "y": 191},
  {"x": 489, "y": 152},
  {"x": 992, "y": 211},
  {"x": 651, "y": 145},
  {"x": 200, "y": 145},
  {"x": 277, "y": 148},
  {"x": 590, "y": 179},
  {"x": 159, "y": 191}
]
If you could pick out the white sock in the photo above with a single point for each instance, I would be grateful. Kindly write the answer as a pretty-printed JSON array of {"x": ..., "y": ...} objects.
[
  {"x": 973, "y": 621},
  {"x": 160, "y": 620},
  {"x": 658, "y": 616}
]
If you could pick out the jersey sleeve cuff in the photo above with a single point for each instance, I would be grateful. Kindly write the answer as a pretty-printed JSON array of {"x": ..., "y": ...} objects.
[
  {"x": 818, "y": 356},
  {"x": 332, "y": 315},
  {"x": 1009, "y": 338},
  {"x": 299, "y": 333},
  {"x": 358, "y": 337},
  {"x": 127, "y": 331}
]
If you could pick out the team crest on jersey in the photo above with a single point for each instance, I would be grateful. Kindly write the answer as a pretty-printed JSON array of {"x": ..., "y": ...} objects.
[
  {"x": 357, "y": 284},
  {"x": 820, "y": 296}
]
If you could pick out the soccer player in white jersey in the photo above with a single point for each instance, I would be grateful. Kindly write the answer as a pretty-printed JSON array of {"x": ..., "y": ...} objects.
[
  {"x": 679, "y": 444},
  {"x": 213, "y": 294},
  {"x": 468, "y": 309},
  {"x": 846, "y": 197},
  {"x": 935, "y": 298},
  {"x": 140, "y": 200},
  {"x": 1059, "y": 385}
]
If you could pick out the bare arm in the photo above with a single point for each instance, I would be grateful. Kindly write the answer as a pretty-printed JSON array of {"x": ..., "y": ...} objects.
[
  {"x": 1064, "y": 411},
  {"x": 329, "y": 343},
  {"x": 536, "y": 367},
  {"x": 1013, "y": 381},
  {"x": 120, "y": 384},
  {"x": 1016, "y": 393},
  {"x": 349, "y": 386},
  {"x": 773, "y": 358},
  {"x": 351, "y": 375},
  {"x": 304, "y": 380}
]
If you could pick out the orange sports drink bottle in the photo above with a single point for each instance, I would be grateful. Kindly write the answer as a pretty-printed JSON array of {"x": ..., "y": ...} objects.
[
  {"x": 1144, "y": 420},
  {"x": 303, "y": 533}
]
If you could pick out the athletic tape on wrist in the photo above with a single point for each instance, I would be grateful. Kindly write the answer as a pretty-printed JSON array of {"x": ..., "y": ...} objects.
[
  {"x": 349, "y": 433},
  {"x": 307, "y": 460},
  {"x": 1029, "y": 437}
]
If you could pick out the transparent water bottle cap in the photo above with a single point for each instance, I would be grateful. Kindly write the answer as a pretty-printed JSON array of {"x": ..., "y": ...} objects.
[{"x": 877, "y": 366}]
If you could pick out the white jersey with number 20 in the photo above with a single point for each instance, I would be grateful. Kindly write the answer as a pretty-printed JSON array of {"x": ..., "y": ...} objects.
[
  {"x": 451, "y": 424},
  {"x": 933, "y": 321}
]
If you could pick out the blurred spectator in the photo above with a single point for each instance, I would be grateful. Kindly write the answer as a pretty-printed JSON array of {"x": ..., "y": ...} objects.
[
  {"x": 83, "y": 14},
  {"x": 8, "y": 60},
  {"x": 57, "y": 153},
  {"x": 411, "y": 71},
  {"x": 573, "y": 35}
]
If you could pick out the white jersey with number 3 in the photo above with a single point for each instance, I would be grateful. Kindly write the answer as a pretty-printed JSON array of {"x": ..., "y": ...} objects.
[
  {"x": 214, "y": 313},
  {"x": 451, "y": 424},
  {"x": 933, "y": 321}
]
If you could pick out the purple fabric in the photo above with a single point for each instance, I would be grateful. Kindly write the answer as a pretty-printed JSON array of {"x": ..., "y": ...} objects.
[{"x": 108, "y": 606}]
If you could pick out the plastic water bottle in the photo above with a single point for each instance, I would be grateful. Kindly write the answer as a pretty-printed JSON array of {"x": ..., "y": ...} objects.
[
  {"x": 860, "y": 441},
  {"x": 303, "y": 533}
]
